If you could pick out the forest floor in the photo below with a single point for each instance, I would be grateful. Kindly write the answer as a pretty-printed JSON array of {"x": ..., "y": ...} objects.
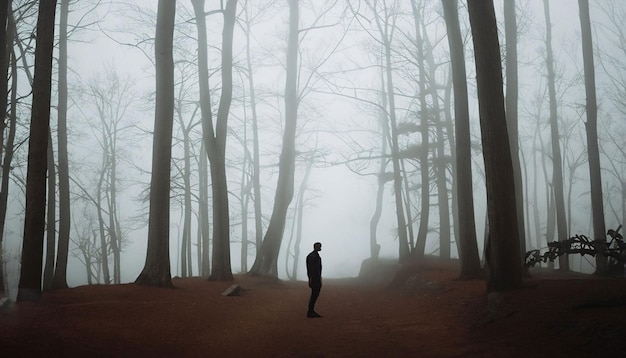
[{"x": 431, "y": 315}]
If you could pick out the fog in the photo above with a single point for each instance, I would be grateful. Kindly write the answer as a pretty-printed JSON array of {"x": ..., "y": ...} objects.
[{"x": 339, "y": 79}]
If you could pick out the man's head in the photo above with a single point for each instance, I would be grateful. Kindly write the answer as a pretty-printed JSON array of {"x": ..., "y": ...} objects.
[{"x": 317, "y": 246}]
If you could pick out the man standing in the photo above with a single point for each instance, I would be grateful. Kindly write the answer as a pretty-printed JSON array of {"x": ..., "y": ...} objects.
[{"x": 314, "y": 272}]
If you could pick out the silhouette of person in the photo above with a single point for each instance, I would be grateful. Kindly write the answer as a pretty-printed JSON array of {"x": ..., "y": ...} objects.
[{"x": 314, "y": 272}]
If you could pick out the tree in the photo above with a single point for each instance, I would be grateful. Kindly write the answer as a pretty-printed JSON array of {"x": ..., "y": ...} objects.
[
  {"x": 423, "y": 155},
  {"x": 34, "y": 220},
  {"x": 510, "y": 33},
  {"x": 504, "y": 267},
  {"x": 267, "y": 255},
  {"x": 256, "y": 174},
  {"x": 4, "y": 69},
  {"x": 60, "y": 272},
  {"x": 557, "y": 166},
  {"x": 156, "y": 271},
  {"x": 468, "y": 247},
  {"x": 215, "y": 139},
  {"x": 597, "y": 205}
]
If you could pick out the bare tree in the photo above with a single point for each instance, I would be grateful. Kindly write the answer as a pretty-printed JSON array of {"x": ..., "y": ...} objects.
[
  {"x": 468, "y": 247},
  {"x": 156, "y": 271},
  {"x": 60, "y": 272},
  {"x": 215, "y": 138},
  {"x": 34, "y": 221},
  {"x": 267, "y": 255},
  {"x": 504, "y": 267},
  {"x": 512, "y": 98},
  {"x": 597, "y": 205},
  {"x": 557, "y": 166}
]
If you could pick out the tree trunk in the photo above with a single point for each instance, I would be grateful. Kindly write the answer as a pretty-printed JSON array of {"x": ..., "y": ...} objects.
[
  {"x": 267, "y": 255},
  {"x": 597, "y": 205},
  {"x": 51, "y": 230},
  {"x": 34, "y": 221},
  {"x": 256, "y": 174},
  {"x": 207, "y": 126},
  {"x": 221, "y": 269},
  {"x": 156, "y": 271},
  {"x": 203, "y": 214},
  {"x": 510, "y": 31},
  {"x": 382, "y": 175},
  {"x": 557, "y": 166},
  {"x": 504, "y": 267},
  {"x": 60, "y": 272},
  {"x": 468, "y": 247},
  {"x": 443, "y": 204},
  {"x": 422, "y": 231},
  {"x": 6, "y": 162}
]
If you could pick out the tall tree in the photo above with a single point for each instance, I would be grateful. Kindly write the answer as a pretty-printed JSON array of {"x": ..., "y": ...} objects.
[
  {"x": 60, "y": 272},
  {"x": 29, "y": 288},
  {"x": 256, "y": 166},
  {"x": 424, "y": 165},
  {"x": 215, "y": 139},
  {"x": 385, "y": 19},
  {"x": 597, "y": 205},
  {"x": 510, "y": 33},
  {"x": 557, "y": 166},
  {"x": 468, "y": 247},
  {"x": 8, "y": 157},
  {"x": 266, "y": 261},
  {"x": 156, "y": 271},
  {"x": 503, "y": 249},
  {"x": 6, "y": 42}
]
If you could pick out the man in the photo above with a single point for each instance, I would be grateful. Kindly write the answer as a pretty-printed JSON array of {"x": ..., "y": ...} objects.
[{"x": 314, "y": 272}]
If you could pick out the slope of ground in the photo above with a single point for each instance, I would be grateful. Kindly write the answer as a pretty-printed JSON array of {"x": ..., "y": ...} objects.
[{"x": 430, "y": 315}]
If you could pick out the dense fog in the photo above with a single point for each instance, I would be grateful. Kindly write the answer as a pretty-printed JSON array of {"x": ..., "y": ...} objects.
[{"x": 342, "y": 101}]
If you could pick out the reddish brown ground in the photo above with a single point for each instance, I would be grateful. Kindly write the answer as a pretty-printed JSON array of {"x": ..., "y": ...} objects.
[{"x": 432, "y": 316}]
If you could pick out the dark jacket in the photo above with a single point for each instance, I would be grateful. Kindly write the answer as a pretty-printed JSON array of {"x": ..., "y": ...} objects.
[{"x": 314, "y": 267}]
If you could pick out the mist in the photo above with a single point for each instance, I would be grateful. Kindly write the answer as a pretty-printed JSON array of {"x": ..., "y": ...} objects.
[{"x": 341, "y": 100}]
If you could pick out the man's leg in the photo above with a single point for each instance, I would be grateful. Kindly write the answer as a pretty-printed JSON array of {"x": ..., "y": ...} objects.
[{"x": 315, "y": 293}]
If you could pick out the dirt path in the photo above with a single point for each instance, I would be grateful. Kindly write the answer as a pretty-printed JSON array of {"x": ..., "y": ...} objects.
[{"x": 433, "y": 316}]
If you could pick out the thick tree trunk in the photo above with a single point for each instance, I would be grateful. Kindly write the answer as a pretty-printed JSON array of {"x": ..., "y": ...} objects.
[
  {"x": 221, "y": 269},
  {"x": 504, "y": 267},
  {"x": 597, "y": 205},
  {"x": 34, "y": 221},
  {"x": 156, "y": 271},
  {"x": 468, "y": 247},
  {"x": 510, "y": 31}
]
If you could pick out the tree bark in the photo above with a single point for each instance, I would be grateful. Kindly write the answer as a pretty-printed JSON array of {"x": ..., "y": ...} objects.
[
  {"x": 510, "y": 32},
  {"x": 504, "y": 267},
  {"x": 468, "y": 247},
  {"x": 60, "y": 272},
  {"x": 29, "y": 288},
  {"x": 597, "y": 205},
  {"x": 156, "y": 271},
  {"x": 221, "y": 269}
]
